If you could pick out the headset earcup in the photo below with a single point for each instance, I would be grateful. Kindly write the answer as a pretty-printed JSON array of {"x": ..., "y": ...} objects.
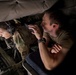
[{"x": 9, "y": 30}]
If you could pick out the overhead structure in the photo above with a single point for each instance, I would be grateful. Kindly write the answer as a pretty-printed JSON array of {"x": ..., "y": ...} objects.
[{"x": 12, "y": 9}]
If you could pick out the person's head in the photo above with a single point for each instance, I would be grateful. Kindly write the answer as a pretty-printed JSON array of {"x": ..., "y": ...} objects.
[
  {"x": 52, "y": 21},
  {"x": 4, "y": 30}
]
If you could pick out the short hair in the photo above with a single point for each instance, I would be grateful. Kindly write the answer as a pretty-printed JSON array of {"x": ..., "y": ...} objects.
[
  {"x": 56, "y": 16},
  {"x": 3, "y": 25}
]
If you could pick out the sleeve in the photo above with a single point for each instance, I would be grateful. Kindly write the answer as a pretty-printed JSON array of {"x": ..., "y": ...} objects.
[
  {"x": 66, "y": 44},
  {"x": 49, "y": 41}
]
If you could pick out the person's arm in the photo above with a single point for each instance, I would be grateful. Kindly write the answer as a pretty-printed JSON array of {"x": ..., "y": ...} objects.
[
  {"x": 50, "y": 60},
  {"x": 45, "y": 56},
  {"x": 56, "y": 48}
]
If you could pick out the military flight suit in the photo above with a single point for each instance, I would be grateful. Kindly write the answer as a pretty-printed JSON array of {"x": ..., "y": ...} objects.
[{"x": 23, "y": 39}]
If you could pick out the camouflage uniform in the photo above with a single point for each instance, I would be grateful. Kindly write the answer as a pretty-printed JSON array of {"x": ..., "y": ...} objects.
[{"x": 23, "y": 39}]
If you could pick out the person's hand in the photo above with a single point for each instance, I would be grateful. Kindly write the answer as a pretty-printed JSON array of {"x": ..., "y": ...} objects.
[
  {"x": 56, "y": 48},
  {"x": 36, "y": 31}
]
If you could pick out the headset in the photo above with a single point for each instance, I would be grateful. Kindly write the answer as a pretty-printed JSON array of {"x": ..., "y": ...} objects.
[{"x": 10, "y": 28}]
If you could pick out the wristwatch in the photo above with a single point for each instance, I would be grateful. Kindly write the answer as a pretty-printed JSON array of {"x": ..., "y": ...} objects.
[{"x": 42, "y": 40}]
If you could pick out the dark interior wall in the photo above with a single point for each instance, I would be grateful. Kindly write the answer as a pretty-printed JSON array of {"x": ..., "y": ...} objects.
[
  {"x": 70, "y": 7},
  {"x": 67, "y": 6}
]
